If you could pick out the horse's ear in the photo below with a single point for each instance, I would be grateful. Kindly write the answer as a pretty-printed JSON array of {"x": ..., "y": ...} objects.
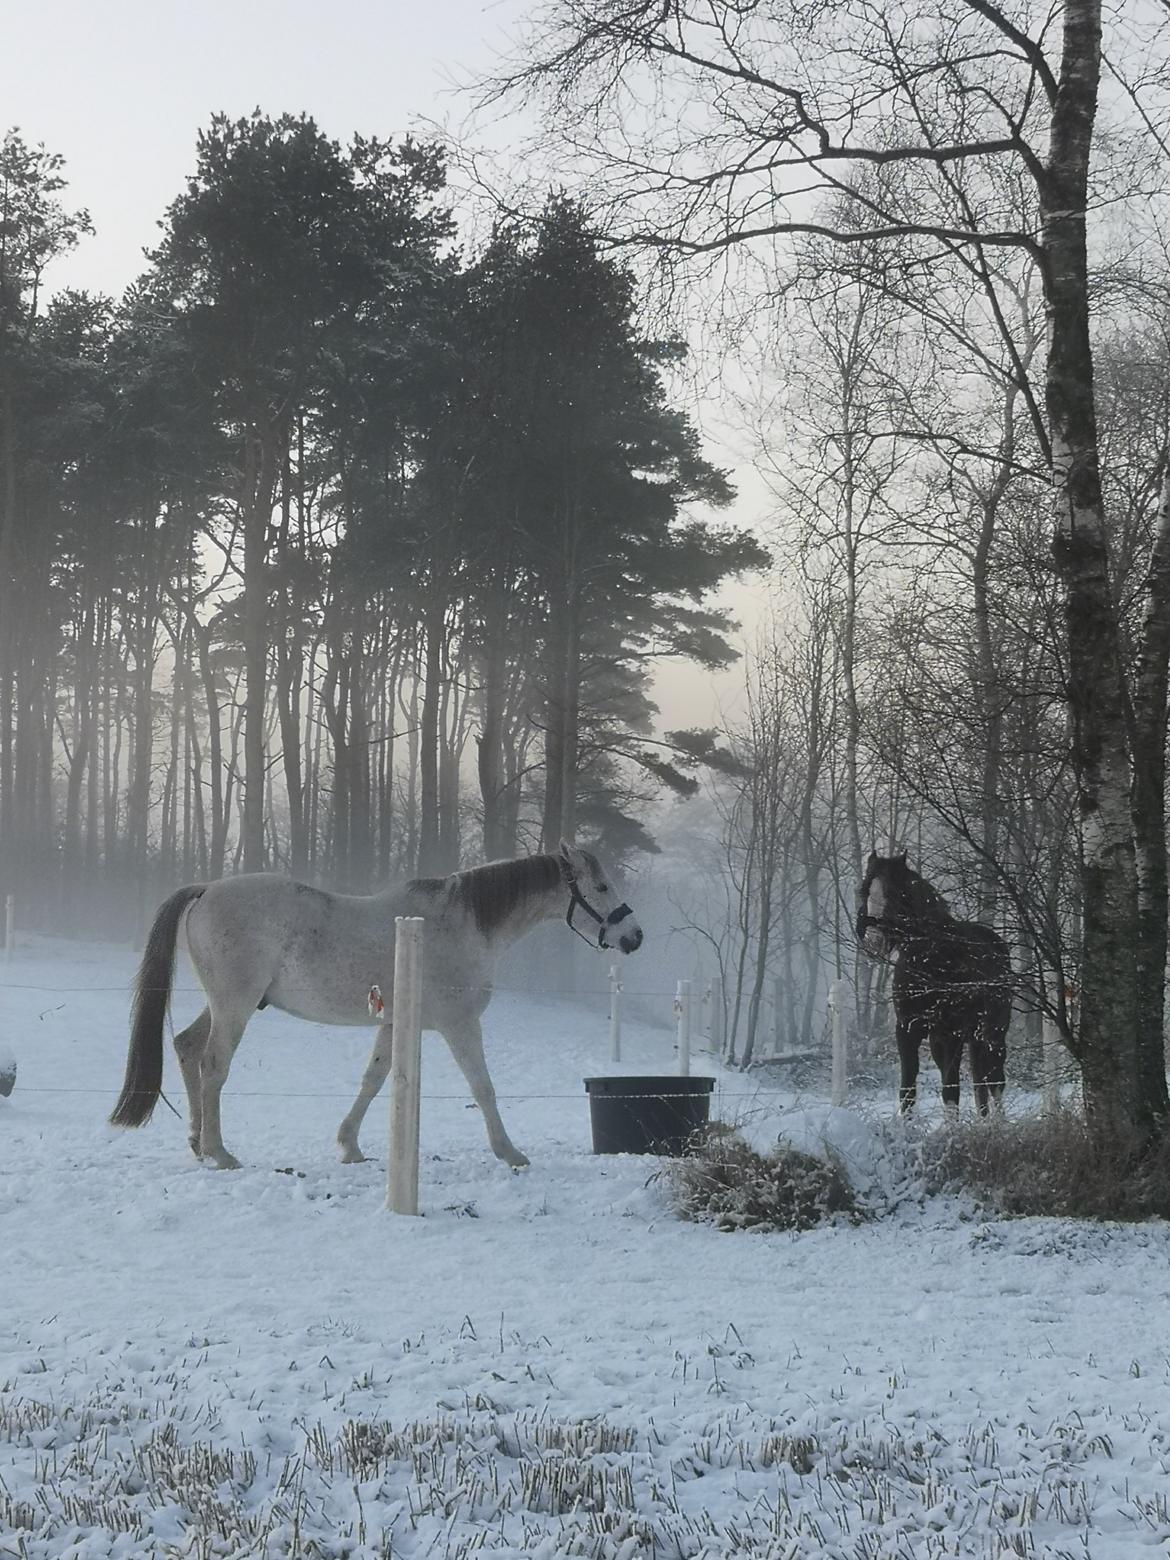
[
  {"x": 873, "y": 856},
  {"x": 901, "y": 857},
  {"x": 570, "y": 859}
]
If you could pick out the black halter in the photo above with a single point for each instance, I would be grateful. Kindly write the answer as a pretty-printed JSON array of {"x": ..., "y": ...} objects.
[{"x": 578, "y": 899}]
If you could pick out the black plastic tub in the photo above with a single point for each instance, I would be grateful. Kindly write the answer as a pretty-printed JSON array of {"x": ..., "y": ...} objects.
[{"x": 648, "y": 1115}]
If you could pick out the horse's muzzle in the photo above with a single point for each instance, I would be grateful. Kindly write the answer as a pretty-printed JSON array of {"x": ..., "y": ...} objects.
[
  {"x": 630, "y": 942},
  {"x": 877, "y": 942},
  {"x": 871, "y": 936}
]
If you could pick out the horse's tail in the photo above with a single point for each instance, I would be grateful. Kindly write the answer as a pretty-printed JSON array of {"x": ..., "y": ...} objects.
[{"x": 152, "y": 993}]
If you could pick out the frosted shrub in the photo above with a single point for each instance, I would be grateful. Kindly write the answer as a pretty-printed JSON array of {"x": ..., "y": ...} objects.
[
  {"x": 727, "y": 1183},
  {"x": 1053, "y": 1167}
]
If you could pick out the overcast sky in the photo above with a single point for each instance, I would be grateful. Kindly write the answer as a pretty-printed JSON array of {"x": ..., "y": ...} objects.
[{"x": 120, "y": 90}]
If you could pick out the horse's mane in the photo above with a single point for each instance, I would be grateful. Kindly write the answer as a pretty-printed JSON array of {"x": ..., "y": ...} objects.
[
  {"x": 494, "y": 891},
  {"x": 926, "y": 899}
]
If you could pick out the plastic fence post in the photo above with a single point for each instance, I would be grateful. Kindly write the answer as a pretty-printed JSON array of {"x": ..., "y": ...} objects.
[
  {"x": 406, "y": 1067},
  {"x": 682, "y": 1009},
  {"x": 840, "y": 1085},
  {"x": 615, "y": 1014}
]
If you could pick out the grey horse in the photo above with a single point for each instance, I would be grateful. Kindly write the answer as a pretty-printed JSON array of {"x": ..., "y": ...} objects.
[{"x": 262, "y": 940}]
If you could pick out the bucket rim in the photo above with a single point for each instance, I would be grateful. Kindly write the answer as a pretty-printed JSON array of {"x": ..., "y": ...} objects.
[{"x": 651, "y": 1083}]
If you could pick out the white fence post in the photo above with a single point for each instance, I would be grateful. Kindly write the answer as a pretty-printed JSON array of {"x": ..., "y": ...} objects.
[
  {"x": 1050, "y": 1065},
  {"x": 682, "y": 1013},
  {"x": 615, "y": 1014},
  {"x": 9, "y": 925},
  {"x": 840, "y": 1085},
  {"x": 406, "y": 1067},
  {"x": 717, "y": 1015}
]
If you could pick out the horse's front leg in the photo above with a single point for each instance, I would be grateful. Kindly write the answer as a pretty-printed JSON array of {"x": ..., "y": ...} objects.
[
  {"x": 465, "y": 1038},
  {"x": 910, "y": 1034},
  {"x": 947, "y": 1050},
  {"x": 372, "y": 1080}
]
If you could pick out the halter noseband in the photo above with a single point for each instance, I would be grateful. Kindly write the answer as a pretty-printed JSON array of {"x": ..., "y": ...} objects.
[{"x": 577, "y": 898}]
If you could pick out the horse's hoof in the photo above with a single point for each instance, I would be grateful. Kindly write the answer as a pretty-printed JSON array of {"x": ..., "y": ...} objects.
[
  {"x": 519, "y": 1162},
  {"x": 354, "y": 1156},
  {"x": 223, "y": 1161}
]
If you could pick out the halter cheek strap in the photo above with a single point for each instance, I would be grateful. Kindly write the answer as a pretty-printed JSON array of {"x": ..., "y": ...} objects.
[{"x": 577, "y": 900}]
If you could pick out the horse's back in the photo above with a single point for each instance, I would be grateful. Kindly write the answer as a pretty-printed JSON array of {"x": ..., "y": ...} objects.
[
  {"x": 959, "y": 964},
  {"x": 262, "y": 938}
]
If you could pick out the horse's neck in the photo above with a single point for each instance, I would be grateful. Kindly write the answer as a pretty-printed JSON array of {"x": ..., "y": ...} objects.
[
  {"x": 548, "y": 905},
  {"x": 922, "y": 922},
  {"x": 927, "y": 905},
  {"x": 503, "y": 901}
]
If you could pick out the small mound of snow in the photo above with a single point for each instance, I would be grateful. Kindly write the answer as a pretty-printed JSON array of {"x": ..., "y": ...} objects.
[{"x": 882, "y": 1158}]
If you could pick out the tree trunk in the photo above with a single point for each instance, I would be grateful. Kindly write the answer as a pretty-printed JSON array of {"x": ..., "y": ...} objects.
[
  {"x": 452, "y": 737},
  {"x": 557, "y": 656},
  {"x": 571, "y": 721},
  {"x": 361, "y": 840},
  {"x": 290, "y": 667},
  {"x": 220, "y": 808},
  {"x": 1149, "y": 807},
  {"x": 260, "y": 465},
  {"x": 989, "y": 695},
  {"x": 429, "y": 856},
  {"x": 334, "y": 702},
  {"x": 490, "y": 742},
  {"x": 1109, "y": 1046},
  {"x": 72, "y": 863}
]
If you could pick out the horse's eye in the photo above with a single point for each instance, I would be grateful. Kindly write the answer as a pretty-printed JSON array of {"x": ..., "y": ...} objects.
[{"x": 603, "y": 888}]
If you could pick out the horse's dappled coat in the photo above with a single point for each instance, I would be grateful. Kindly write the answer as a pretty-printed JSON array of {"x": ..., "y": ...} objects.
[{"x": 261, "y": 939}]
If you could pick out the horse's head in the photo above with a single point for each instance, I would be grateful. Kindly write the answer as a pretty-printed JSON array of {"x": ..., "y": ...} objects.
[
  {"x": 592, "y": 894},
  {"x": 883, "y": 903}
]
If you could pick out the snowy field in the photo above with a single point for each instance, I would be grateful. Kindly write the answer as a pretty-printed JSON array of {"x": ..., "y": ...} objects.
[{"x": 266, "y": 1363}]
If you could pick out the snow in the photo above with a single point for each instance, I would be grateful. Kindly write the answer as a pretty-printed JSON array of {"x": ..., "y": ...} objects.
[{"x": 266, "y": 1362}]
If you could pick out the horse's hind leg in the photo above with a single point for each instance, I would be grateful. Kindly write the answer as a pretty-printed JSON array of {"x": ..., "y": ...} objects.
[
  {"x": 988, "y": 1058},
  {"x": 372, "y": 1080},
  {"x": 221, "y": 1046},
  {"x": 947, "y": 1050},
  {"x": 465, "y": 1039},
  {"x": 189, "y": 1047}
]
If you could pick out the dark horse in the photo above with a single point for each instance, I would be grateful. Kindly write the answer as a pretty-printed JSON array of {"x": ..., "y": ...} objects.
[{"x": 952, "y": 981}]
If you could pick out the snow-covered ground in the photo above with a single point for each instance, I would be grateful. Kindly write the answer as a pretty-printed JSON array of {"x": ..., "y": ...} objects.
[{"x": 266, "y": 1362}]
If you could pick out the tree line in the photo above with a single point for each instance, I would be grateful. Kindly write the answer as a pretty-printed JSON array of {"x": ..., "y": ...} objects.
[{"x": 331, "y": 547}]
